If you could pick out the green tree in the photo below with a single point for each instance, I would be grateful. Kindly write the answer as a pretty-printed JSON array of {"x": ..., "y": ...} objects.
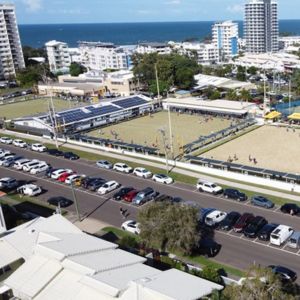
[
  {"x": 169, "y": 227},
  {"x": 252, "y": 70},
  {"x": 261, "y": 284},
  {"x": 215, "y": 95},
  {"x": 245, "y": 95},
  {"x": 76, "y": 69}
]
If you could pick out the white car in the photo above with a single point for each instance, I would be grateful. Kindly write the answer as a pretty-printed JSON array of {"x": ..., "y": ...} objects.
[
  {"x": 215, "y": 217},
  {"x": 121, "y": 167},
  {"x": 142, "y": 172},
  {"x": 29, "y": 190},
  {"x": 162, "y": 178},
  {"x": 5, "y": 140},
  {"x": 18, "y": 165},
  {"x": 19, "y": 143},
  {"x": 209, "y": 187},
  {"x": 30, "y": 165},
  {"x": 41, "y": 167},
  {"x": 4, "y": 158},
  {"x": 131, "y": 226},
  {"x": 108, "y": 187},
  {"x": 73, "y": 177},
  {"x": 38, "y": 148},
  {"x": 56, "y": 174},
  {"x": 4, "y": 153}
]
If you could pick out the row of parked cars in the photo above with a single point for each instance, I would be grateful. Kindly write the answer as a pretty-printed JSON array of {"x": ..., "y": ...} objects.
[{"x": 251, "y": 226}]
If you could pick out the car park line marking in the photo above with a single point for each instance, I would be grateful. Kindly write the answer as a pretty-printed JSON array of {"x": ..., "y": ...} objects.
[{"x": 298, "y": 252}]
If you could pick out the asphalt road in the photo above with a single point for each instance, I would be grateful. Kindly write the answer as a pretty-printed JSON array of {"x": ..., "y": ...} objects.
[{"x": 237, "y": 250}]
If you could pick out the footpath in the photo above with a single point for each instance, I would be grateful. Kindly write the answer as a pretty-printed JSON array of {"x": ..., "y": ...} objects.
[{"x": 259, "y": 190}]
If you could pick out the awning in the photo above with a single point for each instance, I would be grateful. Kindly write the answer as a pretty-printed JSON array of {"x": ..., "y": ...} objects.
[
  {"x": 273, "y": 115},
  {"x": 294, "y": 116}
]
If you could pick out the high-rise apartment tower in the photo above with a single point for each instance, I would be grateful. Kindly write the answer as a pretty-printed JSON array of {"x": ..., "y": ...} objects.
[
  {"x": 11, "y": 54},
  {"x": 261, "y": 28}
]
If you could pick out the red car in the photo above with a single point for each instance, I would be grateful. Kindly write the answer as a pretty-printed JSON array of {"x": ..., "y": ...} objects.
[
  {"x": 242, "y": 222},
  {"x": 64, "y": 176},
  {"x": 129, "y": 196}
]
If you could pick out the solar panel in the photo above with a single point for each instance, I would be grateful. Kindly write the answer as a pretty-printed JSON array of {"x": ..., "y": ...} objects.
[{"x": 131, "y": 102}]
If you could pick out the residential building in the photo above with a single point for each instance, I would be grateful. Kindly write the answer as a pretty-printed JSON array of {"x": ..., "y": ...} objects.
[
  {"x": 11, "y": 54},
  {"x": 101, "y": 56},
  {"x": 225, "y": 37},
  {"x": 261, "y": 28},
  {"x": 59, "y": 261},
  {"x": 147, "y": 48},
  {"x": 288, "y": 41},
  {"x": 205, "y": 54},
  {"x": 58, "y": 56}
]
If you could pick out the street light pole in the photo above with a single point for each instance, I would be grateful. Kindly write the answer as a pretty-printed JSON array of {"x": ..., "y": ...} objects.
[
  {"x": 163, "y": 134},
  {"x": 170, "y": 129},
  {"x": 75, "y": 202},
  {"x": 157, "y": 83}
]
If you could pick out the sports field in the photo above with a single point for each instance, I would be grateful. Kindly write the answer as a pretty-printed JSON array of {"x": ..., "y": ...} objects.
[
  {"x": 146, "y": 130},
  {"x": 31, "y": 107},
  {"x": 274, "y": 148}
]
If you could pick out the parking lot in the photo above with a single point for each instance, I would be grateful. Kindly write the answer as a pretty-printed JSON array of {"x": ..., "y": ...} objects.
[{"x": 106, "y": 209}]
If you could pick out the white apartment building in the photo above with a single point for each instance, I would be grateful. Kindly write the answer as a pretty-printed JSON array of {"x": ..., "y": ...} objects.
[
  {"x": 225, "y": 38},
  {"x": 100, "y": 56},
  {"x": 58, "y": 56},
  {"x": 11, "y": 54},
  {"x": 288, "y": 41},
  {"x": 204, "y": 53},
  {"x": 147, "y": 48},
  {"x": 261, "y": 29}
]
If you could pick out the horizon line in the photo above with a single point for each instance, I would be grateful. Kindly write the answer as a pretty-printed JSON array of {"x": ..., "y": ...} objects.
[{"x": 139, "y": 22}]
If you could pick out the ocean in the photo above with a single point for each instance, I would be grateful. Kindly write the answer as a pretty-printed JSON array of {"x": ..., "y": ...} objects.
[{"x": 127, "y": 33}]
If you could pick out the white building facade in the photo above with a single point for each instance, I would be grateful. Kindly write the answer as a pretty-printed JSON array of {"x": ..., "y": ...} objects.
[
  {"x": 225, "y": 38},
  {"x": 100, "y": 56},
  {"x": 148, "y": 48},
  {"x": 11, "y": 54},
  {"x": 58, "y": 56},
  {"x": 261, "y": 29}
]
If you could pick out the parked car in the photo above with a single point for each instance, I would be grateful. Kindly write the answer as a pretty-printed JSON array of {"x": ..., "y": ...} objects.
[
  {"x": 209, "y": 187},
  {"x": 235, "y": 195},
  {"x": 242, "y": 222},
  {"x": 229, "y": 220},
  {"x": 254, "y": 226},
  {"x": 50, "y": 171},
  {"x": 144, "y": 196},
  {"x": 55, "y": 152},
  {"x": 121, "y": 167},
  {"x": 130, "y": 195},
  {"x": 131, "y": 226},
  {"x": 8, "y": 183},
  {"x": 5, "y": 140},
  {"x": 18, "y": 165},
  {"x": 281, "y": 234},
  {"x": 95, "y": 184},
  {"x": 208, "y": 247},
  {"x": 265, "y": 232},
  {"x": 7, "y": 157},
  {"x": 60, "y": 201},
  {"x": 262, "y": 201},
  {"x": 41, "y": 167},
  {"x": 104, "y": 164},
  {"x": 30, "y": 190},
  {"x": 108, "y": 187},
  {"x": 122, "y": 192},
  {"x": 8, "y": 162},
  {"x": 294, "y": 241},
  {"x": 71, "y": 179},
  {"x": 142, "y": 172},
  {"x": 162, "y": 178},
  {"x": 19, "y": 143},
  {"x": 64, "y": 176},
  {"x": 4, "y": 152},
  {"x": 214, "y": 218},
  {"x": 38, "y": 148},
  {"x": 30, "y": 165},
  {"x": 57, "y": 173},
  {"x": 71, "y": 156},
  {"x": 290, "y": 208},
  {"x": 286, "y": 275}
]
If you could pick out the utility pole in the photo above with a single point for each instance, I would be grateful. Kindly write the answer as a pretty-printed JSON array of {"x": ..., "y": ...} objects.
[
  {"x": 75, "y": 202},
  {"x": 290, "y": 94},
  {"x": 157, "y": 83},
  {"x": 170, "y": 129},
  {"x": 163, "y": 134}
]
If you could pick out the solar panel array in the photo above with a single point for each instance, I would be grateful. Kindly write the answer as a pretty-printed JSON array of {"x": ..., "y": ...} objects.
[{"x": 130, "y": 102}]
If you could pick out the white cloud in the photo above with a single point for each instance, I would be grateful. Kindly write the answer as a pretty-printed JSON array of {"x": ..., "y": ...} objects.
[
  {"x": 33, "y": 5},
  {"x": 173, "y": 2},
  {"x": 236, "y": 8}
]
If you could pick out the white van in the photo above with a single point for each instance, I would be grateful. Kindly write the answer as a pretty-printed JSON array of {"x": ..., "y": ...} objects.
[
  {"x": 18, "y": 165},
  {"x": 41, "y": 167},
  {"x": 280, "y": 234},
  {"x": 215, "y": 217},
  {"x": 30, "y": 165},
  {"x": 294, "y": 241}
]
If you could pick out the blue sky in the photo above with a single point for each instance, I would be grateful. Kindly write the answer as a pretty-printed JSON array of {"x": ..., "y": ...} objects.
[{"x": 109, "y": 11}]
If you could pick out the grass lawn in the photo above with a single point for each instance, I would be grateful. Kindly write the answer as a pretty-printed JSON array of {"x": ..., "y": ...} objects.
[
  {"x": 146, "y": 130},
  {"x": 32, "y": 107},
  {"x": 274, "y": 148}
]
